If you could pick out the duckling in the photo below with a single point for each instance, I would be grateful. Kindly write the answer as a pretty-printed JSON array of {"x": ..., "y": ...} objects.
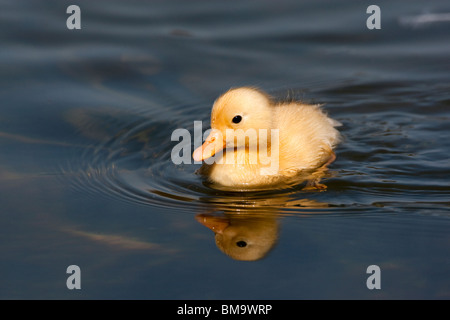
[{"x": 299, "y": 138}]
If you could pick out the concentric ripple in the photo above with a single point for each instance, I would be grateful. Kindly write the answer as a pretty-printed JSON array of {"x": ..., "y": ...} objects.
[
  {"x": 131, "y": 161},
  {"x": 127, "y": 156}
]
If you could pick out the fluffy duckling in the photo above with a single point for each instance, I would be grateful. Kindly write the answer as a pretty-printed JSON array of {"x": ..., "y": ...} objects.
[{"x": 277, "y": 141}]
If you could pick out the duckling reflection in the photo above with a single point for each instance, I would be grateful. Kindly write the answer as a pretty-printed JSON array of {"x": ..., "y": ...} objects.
[
  {"x": 248, "y": 231},
  {"x": 243, "y": 237}
]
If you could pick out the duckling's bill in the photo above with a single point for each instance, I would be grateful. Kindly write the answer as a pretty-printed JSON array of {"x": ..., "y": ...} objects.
[{"x": 213, "y": 144}]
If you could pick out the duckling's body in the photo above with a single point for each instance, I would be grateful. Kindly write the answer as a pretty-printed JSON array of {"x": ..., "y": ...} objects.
[{"x": 304, "y": 140}]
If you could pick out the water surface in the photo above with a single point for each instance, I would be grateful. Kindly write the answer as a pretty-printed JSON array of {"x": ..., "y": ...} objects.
[{"x": 86, "y": 176}]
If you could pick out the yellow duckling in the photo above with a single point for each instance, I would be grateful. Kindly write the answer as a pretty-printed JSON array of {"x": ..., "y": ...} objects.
[{"x": 257, "y": 142}]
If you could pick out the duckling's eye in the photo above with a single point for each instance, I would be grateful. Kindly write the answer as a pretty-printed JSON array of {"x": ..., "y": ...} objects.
[
  {"x": 237, "y": 119},
  {"x": 241, "y": 244}
]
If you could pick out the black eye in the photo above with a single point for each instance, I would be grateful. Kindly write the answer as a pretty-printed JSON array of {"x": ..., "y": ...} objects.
[
  {"x": 237, "y": 119},
  {"x": 241, "y": 244}
]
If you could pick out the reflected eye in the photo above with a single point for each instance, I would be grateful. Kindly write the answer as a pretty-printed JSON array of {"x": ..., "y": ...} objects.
[
  {"x": 241, "y": 244},
  {"x": 237, "y": 119}
]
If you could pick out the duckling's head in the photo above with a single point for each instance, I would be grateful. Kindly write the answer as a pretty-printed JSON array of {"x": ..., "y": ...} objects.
[{"x": 240, "y": 108}]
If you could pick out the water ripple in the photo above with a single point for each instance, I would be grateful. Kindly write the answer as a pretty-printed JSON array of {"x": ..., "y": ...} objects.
[{"x": 128, "y": 159}]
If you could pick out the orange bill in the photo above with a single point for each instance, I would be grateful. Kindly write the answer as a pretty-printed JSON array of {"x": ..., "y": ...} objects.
[
  {"x": 213, "y": 144},
  {"x": 216, "y": 224}
]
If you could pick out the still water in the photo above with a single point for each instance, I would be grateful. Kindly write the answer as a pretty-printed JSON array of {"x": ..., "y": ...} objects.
[{"x": 86, "y": 176}]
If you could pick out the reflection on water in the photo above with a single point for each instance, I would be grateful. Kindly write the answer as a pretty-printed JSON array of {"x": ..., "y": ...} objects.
[
  {"x": 248, "y": 230},
  {"x": 243, "y": 236}
]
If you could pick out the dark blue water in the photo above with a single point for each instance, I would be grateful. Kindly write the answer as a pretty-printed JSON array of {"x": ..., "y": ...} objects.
[{"x": 86, "y": 176}]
